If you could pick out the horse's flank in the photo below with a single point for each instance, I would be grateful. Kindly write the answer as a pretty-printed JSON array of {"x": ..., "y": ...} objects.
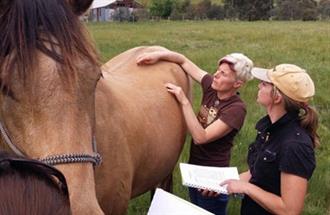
[{"x": 140, "y": 127}]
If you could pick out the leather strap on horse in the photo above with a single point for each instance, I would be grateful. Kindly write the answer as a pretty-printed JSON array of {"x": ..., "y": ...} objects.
[
  {"x": 7, "y": 139},
  {"x": 95, "y": 159}
]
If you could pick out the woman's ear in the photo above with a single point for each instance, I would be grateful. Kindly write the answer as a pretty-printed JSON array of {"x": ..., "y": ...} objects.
[
  {"x": 278, "y": 98},
  {"x": 79, "y": 7},
  {"x": 238, "y": 84}
]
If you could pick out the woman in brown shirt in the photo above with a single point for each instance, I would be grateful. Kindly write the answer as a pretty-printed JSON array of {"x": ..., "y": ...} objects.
[{"x": 221, "y": 115}]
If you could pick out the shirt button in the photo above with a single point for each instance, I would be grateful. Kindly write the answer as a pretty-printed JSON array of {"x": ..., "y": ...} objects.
[
  {"x": 265, "y": 158},
  {"x": 298, "y": 134}
]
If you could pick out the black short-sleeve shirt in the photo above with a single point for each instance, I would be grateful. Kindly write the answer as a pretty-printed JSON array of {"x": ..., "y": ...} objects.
[{"x": 280, "y": 147}]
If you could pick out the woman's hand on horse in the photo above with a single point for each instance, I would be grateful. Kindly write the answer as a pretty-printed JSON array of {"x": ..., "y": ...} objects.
[
  {"x": 147, "y": 58},
  {"x": 178, "y": 92}
]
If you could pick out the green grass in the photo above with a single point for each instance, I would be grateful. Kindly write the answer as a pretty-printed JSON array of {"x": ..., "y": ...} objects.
[{"x": 306, "y": 44}]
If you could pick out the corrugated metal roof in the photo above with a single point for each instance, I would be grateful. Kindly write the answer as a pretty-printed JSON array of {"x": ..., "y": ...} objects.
[{"x": 101, "y": 3}]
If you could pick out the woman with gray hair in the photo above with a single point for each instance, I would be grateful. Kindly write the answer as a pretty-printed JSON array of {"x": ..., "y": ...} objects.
[{"x": 221, "y": 115}]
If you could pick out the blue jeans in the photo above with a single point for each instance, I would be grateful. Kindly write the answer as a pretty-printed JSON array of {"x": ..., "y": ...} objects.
[{"x": 216, "y": 205}]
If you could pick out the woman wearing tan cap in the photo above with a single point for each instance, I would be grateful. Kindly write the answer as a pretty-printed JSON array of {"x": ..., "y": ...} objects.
[
  {"x": 220, "y": 118},
  {"x": 281, "y": 160}
]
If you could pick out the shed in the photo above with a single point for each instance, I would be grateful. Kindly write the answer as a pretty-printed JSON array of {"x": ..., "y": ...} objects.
[{"x": 106, "y": 10}]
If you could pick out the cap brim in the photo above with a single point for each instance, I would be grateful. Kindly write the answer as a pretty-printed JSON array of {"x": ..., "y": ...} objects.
[
  {"x": 227, "y": 59},
  {"x": 261, "y": 74}
]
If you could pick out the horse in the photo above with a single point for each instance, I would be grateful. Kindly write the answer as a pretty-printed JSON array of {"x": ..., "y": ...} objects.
[{"x": 57, "y": 101}]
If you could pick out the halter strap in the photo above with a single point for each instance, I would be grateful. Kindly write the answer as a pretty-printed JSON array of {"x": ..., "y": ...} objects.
[
  {"x": 95, "y": 159},
  {"x": 8, "y": 141}
]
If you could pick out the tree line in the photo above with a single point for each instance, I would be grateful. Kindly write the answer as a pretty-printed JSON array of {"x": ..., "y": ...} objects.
[{"x": 250, "y": 10}]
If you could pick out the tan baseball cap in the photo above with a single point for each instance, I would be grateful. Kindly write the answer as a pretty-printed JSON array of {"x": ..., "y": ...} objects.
[
  {"x": 242, "y": 65},
  {"x": 290, "y": 79}
]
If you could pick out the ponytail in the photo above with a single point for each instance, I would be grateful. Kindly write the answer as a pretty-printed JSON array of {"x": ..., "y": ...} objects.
[
  {"x": 307, "y": 115},
  {"x": 310, "y": 122}
]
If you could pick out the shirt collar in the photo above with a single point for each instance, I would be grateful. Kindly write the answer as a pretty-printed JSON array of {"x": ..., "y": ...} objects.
[{"x": 266, "y": 125}]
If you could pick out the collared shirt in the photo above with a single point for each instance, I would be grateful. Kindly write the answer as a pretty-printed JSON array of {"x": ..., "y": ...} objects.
[{"x": 280, "y": 147}]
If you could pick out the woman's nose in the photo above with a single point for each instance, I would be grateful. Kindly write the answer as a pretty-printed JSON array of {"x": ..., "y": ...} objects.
[{"x": 216, "y": 74}]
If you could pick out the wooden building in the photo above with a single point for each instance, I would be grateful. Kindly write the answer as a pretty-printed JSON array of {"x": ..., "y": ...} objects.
[{"x": 107, "y": 10}]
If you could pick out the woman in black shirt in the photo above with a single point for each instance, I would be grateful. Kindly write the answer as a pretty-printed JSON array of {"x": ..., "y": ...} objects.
[{"x": 281, "y": 160}]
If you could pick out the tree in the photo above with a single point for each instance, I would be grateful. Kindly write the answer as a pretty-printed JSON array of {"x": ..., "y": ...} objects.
[
  {"x": 140, "y": 14},
  {"x": 308, "y": 10},
  {"x": 286, "y": 10},
  {"x": 161, "y": 8},
  {"x": 180, "y": 9},
  {"x": 145, "y": 3},
  {"x": 296, "y": 10},
  {"x": 168, "y": 5},
  {"x": 156, "y": 8},
  {"x": 230, "y": 10},
  {"x": 201, "y": 9},
  {"x": 251, "y": 9},
  {"x": 263, "y": 9},
  {"x": 324, "y": 9},
  {"x": 215, "y": 12},
  {"x": 190, "y": 12}
]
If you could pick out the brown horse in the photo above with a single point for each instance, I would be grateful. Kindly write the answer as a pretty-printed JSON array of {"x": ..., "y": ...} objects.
[{"x": 54, "y": 101}]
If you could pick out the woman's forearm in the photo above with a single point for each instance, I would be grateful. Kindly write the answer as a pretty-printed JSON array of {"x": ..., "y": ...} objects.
[
  {"x": 188, "y": 66},
  {"x": 267, "y": 200},
  {"x": 172, "y": 56},
  {"x": 245, "y": 176},
  {"x": 196, "y": 130}
]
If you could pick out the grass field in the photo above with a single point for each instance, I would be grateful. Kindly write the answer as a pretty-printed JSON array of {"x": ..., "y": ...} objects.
[{"x": 268, "y": 43}]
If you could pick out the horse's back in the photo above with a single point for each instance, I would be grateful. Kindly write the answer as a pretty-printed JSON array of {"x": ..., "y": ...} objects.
[
  {"x": 124, "y": 66},
  {"x": 140, "y": 126}
]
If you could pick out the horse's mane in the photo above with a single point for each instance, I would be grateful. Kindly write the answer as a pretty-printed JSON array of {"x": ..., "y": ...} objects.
[{"x": 47, "y": 26}]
